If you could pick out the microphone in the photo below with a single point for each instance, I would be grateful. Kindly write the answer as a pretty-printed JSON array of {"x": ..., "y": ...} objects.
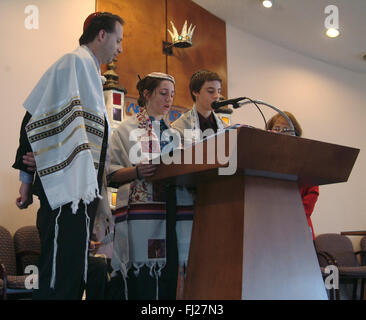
[{"x": 234, "y": 102}]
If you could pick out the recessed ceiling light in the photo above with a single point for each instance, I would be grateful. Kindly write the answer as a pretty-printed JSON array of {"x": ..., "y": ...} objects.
[
  {"x": 267, "y": 3},
  {"x": 332, "y": 33}
]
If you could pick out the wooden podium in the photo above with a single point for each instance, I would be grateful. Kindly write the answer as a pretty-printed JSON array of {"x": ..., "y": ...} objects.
[{"x": 250, "y": 237}]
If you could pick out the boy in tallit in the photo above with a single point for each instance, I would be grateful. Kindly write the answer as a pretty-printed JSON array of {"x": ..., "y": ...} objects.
[{"x": 205, "y": 88}]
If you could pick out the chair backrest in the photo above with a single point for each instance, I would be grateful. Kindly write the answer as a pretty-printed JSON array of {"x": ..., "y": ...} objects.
[
  {"x": 7, "y": 252},
  {"x": 363, "y": 243},
  {"x": 26, "y": 240},
  {"x": 363, "y": 248},
  {"x": 340, "y": 247}
]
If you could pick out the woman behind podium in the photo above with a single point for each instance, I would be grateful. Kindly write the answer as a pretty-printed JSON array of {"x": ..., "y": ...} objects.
[
  {"x": 309, "y": 194},
  {"x": 152, "y": 222}
]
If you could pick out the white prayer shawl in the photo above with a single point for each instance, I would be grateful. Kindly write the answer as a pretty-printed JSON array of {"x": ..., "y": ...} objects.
[
  {"x": 188, "y": 126},
  {"x": 132, "y": 236},
  {"x": 67, "y": 128}
]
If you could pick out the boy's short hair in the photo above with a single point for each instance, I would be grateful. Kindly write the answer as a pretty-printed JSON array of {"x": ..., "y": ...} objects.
[{"x": 199, "y": 78}]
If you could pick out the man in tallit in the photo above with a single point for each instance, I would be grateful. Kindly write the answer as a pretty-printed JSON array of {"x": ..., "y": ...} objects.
[
  {"x": 66, "y": 128},
  {"x": 205, "y": 88}
]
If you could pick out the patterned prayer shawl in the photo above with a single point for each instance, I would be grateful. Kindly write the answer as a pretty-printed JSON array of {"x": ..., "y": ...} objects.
[
  {"x": 67, "y": 128},
  {"x": 140, "y": 216},
  {"x": 188, "y": 126}
]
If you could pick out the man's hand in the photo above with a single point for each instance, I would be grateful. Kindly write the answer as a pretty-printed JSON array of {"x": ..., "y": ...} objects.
[
  {"x": 28, "y": 159},
  {"x": 26, "y": 197}
]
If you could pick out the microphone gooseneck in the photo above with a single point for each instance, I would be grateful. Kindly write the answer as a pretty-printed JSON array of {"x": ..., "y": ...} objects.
[{"x": 233, "y": 102}]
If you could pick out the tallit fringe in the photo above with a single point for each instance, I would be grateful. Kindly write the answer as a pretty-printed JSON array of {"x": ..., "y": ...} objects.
[
  {"x": 152, "y": 265},
  {"x": 87, "y": 198},
  {"x": 125, "y": 283},
  {"x": 156, "y": 273},
  {"x": 87, "y": 222},
  {"x": 137, "y": 267},
  {"x": 53, "y": 276},
  {"x": 123, "y": 270}
]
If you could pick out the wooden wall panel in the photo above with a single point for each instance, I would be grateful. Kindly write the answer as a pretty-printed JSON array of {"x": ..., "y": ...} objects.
[
  {"x": 208, "y": 50},
  {"x": 144, "y": 31}
]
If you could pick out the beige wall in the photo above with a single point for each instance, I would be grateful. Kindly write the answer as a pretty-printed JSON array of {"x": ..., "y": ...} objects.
[
  {"x": 329, "y": 102},
  {"x": 24, "y": 56}
]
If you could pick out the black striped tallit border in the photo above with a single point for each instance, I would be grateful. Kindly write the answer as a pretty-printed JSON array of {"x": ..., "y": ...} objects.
[
  {"x": 64, "y": 164},
  {"x": 59, "y": 129},
  {"x": 56, "y": 117}
]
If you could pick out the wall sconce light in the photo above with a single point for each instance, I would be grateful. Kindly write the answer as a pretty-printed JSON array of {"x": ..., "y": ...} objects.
[{"x": 183, "y": 40}]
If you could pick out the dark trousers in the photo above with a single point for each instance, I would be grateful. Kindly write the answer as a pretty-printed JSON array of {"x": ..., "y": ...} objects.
[
  {"x": 97, "y": 281},
  {"x": 71, "y": 246}
]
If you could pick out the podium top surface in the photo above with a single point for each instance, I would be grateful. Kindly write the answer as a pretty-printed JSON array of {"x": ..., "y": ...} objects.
[{"x": 258, "y": 152}]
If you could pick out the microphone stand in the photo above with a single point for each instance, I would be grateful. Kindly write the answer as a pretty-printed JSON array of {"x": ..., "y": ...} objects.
[{"x": 237, "y": 105}]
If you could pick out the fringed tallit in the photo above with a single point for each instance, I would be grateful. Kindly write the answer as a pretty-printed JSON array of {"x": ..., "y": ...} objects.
[
  {"x": 140, "y": 216},
  {"x": 67, "y": 128}
]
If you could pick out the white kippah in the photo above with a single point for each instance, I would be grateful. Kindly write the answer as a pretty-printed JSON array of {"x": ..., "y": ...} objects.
[{"x": 160, "y": 75}]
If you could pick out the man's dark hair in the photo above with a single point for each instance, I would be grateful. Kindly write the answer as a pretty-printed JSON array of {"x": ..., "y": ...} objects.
[
  {"x": 102, "y": 21},
  {"x": 199, "y": 78}
]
